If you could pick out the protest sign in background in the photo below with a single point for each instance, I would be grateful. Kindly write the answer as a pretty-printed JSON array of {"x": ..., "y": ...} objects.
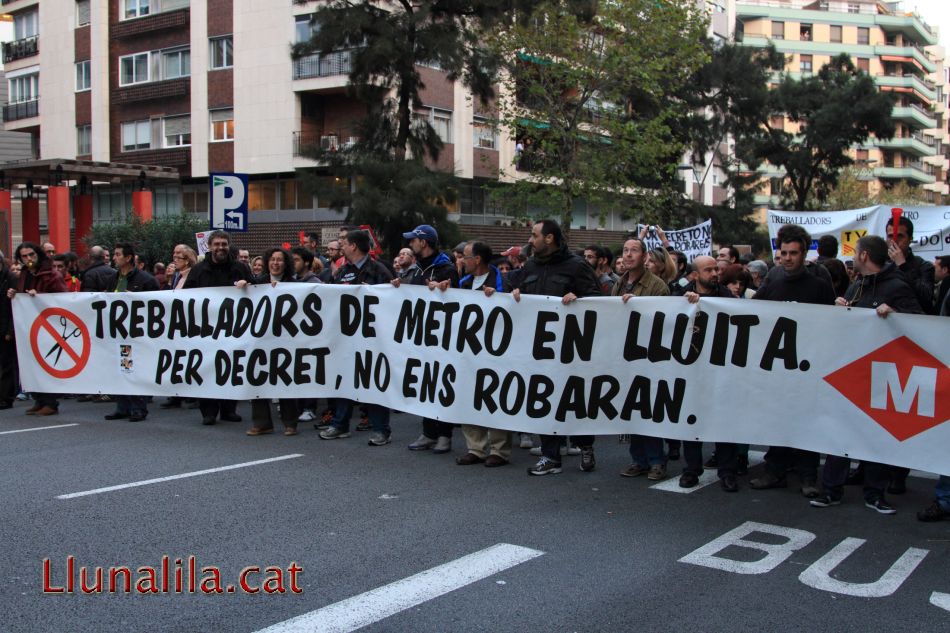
[
  {"x": 824, "y": 378},
  {"x": 693, "y": 241},
  {"x": 931, "y": 227}
]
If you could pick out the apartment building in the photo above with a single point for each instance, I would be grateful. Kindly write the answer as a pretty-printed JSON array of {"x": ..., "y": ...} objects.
[{"x": 897, "y": 48}]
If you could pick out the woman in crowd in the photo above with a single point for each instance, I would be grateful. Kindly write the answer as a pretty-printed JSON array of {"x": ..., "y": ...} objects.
[
  {"x": 257, "y": 266},
  {"x": 738, "y": 280},
  {"x": 661, "y": 264},
  {"x": 184, "y": 258},
  {"x": 280, "y": 269}
]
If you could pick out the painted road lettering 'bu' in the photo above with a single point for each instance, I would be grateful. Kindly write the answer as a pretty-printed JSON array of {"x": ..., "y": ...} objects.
[{"x": 598, "y": 366}]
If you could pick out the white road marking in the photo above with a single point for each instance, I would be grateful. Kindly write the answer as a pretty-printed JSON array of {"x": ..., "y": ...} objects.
[
  {"x": 159, "y": 480},
  {"x": 941, "y": 600},
  {"x": 40, "y": 428},
  {"x": 370, "y": 607},
  {"x": 818, "y": 575},
  {"x": 708, "y": 477}
]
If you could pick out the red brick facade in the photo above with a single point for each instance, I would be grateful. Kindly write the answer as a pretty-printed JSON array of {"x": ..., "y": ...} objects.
[
  {"x": 220, "y": 17},
  {"x": 221, "y": 156}
]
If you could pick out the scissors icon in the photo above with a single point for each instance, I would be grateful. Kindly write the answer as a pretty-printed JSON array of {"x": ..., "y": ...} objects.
[{"x": 58, "y": 348}]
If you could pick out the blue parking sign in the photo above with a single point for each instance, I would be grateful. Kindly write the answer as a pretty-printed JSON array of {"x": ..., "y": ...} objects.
[{"x": 228, "y": 201}]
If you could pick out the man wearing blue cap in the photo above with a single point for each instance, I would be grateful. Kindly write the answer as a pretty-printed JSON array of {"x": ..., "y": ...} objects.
[{"x": 436, "y": 270}]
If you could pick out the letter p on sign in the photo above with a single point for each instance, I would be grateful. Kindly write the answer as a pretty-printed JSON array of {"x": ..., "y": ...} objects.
[{"x": 228, "y": 201}]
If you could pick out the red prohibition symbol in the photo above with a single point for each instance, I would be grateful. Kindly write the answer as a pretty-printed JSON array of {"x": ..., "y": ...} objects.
[{"x": 69, "y": 327}]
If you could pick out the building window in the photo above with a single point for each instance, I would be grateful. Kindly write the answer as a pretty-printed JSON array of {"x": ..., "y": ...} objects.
[
  {"x": 778, "y": 30},
  {"x": 804, "y": 32},
  {"x": 176, "y": 63},
  {"x": 485, "y": 134},
  {"x": 836, "y": 33},
  {"x": 136, "y": 135},
  {"x": 864, "y": 63},
  {"x": 82, "y": 12},
  {"x": 25, "y": 25},
  {"x": 222, "y": 125},
  {"x": 83, "y": 78},
  {"x": 83, "y": 140},
  {"x": 177, "y": 131},
  {"x": 136, "y": 8},
  {"x": 440, "y": 120},
  {"x": 864, "y": 35},
  {"x": 854, "y": 8},
  {"x": 24, "y": 88},
  {"x": 304, "y": 28},
  {"x": 222, "y": 52},
  {"x": 262, "y": 195},
  {"x": 133, "y": 69},
  {"x": 805, "y": 63}
]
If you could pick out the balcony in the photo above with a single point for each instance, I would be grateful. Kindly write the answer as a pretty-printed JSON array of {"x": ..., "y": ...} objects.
[
  {"x": 151, "y": 90},
  {"x": 18, "y": 49},
  {"x": 906, "y": 53},
  {"x": 916, "y": 144},
  {"x": 328, "y": 142},
  {"x": 22, "y": 110},
  {"x": 912, "y": 171},
  {"x": 163, "y": 20},
  {"x": 916, "y": 115},
  {"x": 913, "y": 82},
  {"x": 317, "y": 65}
]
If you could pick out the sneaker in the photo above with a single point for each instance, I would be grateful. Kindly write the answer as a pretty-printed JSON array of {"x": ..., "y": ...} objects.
[
  {"x": 711, "y": 463},
  {"x": 634, "y": 470},
  {"x": 442, "y": 445},
  {"x": 933, "y": 512},
  {"x": 657, "y": 472},
  {"x": 307, "y": 416},
  {"x": 333, "y": 433},
  {"x": 379, "y": 439},
  {"x": 545, "y": 467},
  {"x": 824, "y": 500},
  {"x": 767, "y": 481},
  {"x": 879, "y": 505},
  {"x": 573, "y": 451},
  {"x": 526, "y": 441},
  {"x": 22, "y": 397},
  {"x": 588, "y": 463},
  {"x": 422, "y": 443},
  {"x": 364, "y": 425},
  {"x": 321, "y": 425}
]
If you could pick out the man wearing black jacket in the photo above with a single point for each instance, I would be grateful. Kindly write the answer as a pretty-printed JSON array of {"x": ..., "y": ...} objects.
[
  {"x": 436, "y": 270},
  {"x": 883, "y": 288},
  {"x": 218, "y": 269},
  {"x": 918, "y": 272},
  {"x": 793, "y": 282},
  {"x": 99, "y": 277},
  {"x": 553, "y": 270},
  {"x": 129, "y": 278}
]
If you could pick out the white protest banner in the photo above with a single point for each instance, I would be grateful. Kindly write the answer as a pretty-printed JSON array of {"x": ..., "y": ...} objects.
[
  {"x": 823, "y": 378},
  {"x": 693, "y": 241},
  {"x": 931, "y": 227}
]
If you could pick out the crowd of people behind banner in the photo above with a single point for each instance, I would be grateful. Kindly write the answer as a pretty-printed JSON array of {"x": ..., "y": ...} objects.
[{"x": 884, "y": 275}]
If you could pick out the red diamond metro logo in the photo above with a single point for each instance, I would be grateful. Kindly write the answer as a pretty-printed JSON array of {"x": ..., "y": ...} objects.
[{"x": 900, "y": 386}]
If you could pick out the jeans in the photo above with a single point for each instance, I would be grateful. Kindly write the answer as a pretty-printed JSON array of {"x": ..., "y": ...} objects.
[
  {"x": 942, "y": 492},
  {"x": 835, "y": 473},
  {"x": 646, "y": 451},
  {"x": 378, "y": 416},
  {"x": 551, "y": 444},
  {"x": 131, "y": 405},
  {"x": 433, "y": 429}
]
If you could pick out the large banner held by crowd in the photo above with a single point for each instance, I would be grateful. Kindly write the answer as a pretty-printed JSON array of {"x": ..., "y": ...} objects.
[
  {"x": 693, "y": 241},
  {"x": 931, "y": 227},
  {"x": 824, "y": 378}
]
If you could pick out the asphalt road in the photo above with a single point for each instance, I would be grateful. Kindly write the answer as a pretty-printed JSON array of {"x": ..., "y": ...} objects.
[{"x": 603, "y": 552}]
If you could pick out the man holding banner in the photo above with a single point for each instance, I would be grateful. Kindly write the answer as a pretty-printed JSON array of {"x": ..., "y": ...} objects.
[{"x": 919, "y": 273}]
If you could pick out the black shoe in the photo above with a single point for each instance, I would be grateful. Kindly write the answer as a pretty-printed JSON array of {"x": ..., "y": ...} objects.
[
  {"x": 208, "y": 420},
  {"x": 229, "y": 417},
  {"x": 689, "y": 480},
  {"x": 933, "y": 512},
  {"x": 729, "y": 483},
  {"x": 137, "y": 417},
  {"x": 116, "y": 416}
]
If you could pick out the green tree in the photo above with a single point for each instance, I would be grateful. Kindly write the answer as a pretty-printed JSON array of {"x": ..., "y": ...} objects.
[
  {"x": 395, "y": 186},
  {"x": 591, "y": 100},
  {"x": 836, "y": 109},
  {"x": 153, "y": 240}
]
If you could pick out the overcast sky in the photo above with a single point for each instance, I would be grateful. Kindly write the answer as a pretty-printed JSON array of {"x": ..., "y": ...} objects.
[{"x": 935, "y": 13}]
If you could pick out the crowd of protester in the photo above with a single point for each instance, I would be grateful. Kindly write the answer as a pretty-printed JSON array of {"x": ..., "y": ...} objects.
[{"x": 884, "y": 275}]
